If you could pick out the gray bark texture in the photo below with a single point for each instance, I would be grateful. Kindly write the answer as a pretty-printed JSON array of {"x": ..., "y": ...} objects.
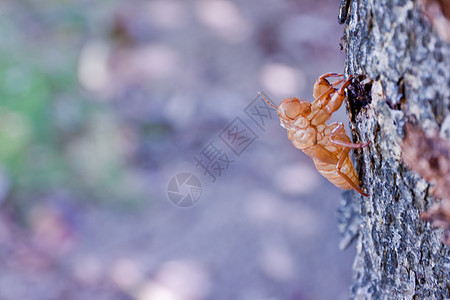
[{"x": 401, "y": 66}]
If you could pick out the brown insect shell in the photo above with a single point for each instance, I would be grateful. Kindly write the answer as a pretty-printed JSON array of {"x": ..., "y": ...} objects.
[
  {"x": 291, "y": 108},
  {"x": 294, "y": 115}
]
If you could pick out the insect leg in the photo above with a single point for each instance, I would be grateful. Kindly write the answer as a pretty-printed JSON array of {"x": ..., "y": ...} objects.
[
  {"x": 322, "y": 85},
  {"x": 340, "y": 129},
  {"x": 324, "y": 76},
  {"x": 330, "y": 90},
  {"x": 343, "y": 156},
  {"x": 338, "y": 97}
]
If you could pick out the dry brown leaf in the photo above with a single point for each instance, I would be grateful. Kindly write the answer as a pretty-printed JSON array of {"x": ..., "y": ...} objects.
[{"x": 429, "y": 156}]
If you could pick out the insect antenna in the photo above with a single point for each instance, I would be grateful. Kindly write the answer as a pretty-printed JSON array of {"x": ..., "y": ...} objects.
[{"x": 264, "y": 97}]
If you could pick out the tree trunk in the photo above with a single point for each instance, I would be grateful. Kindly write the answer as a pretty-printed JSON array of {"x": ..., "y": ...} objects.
[{"x": 403, "y": 59}]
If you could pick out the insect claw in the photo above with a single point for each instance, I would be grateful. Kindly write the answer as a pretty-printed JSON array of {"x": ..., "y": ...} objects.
[
  {"x": 365, "y": 144},
  {"x": 364, "y": 194}
]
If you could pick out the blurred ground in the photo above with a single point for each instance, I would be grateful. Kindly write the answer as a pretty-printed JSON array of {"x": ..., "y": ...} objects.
[{"x": 103, "y": 102}]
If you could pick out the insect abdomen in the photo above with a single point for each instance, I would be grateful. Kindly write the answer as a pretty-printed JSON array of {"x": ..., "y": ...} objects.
[{"x": 330, "y": 173}]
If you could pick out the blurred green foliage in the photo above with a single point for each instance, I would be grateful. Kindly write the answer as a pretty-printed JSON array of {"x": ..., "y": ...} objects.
[{"x": 52, "y": 134}]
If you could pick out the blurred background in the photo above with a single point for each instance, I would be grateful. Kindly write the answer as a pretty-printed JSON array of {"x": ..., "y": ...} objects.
[{"x": 102, "y": 103}]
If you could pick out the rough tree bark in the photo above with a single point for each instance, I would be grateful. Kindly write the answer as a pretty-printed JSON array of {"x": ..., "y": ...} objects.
[{"x": 404, "y": 65}]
